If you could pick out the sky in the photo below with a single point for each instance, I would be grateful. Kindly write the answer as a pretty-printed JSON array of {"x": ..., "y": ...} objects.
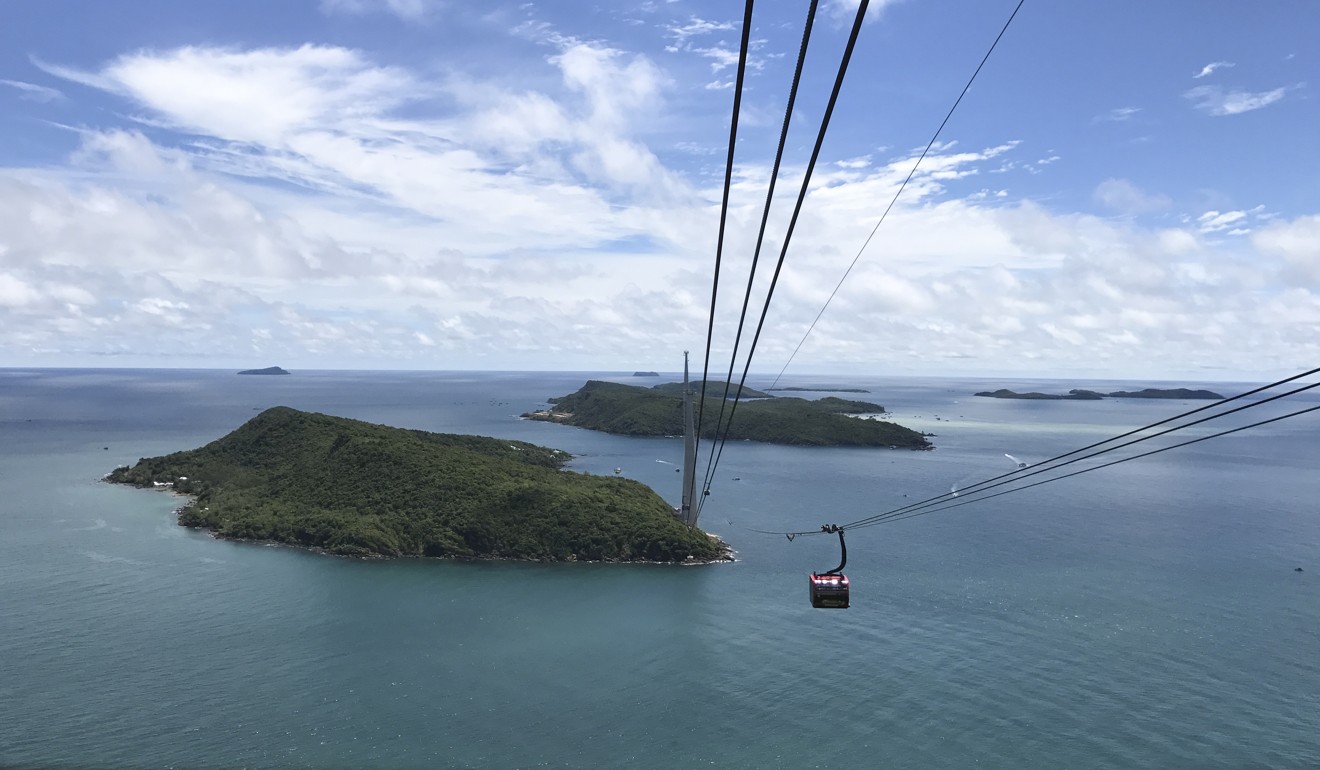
[{"x": 1129, "y": 190}]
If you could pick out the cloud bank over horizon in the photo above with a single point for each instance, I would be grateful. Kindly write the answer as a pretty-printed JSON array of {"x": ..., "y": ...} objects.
[{"x": 337, "y": 205}]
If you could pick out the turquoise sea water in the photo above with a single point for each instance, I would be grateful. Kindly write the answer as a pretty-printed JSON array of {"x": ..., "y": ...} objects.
[{"x": 1147, "y": 615}]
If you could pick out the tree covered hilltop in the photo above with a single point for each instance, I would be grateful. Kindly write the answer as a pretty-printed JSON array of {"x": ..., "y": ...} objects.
[
  {"x": 636, "y": 411},
  {"x": 358, "y": 489},
  {"x": 1076, "y": 394},
  {"x": 1185, "y": 394}
]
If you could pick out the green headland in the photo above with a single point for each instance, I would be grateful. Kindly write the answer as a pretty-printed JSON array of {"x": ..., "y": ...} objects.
[
  {"x": 630, "y": 410},
  {"x": 354, "y": 488}
]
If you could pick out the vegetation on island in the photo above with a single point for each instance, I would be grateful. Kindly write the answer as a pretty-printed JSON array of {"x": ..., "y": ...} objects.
[
  {"x": 1178, "y": 393},
  {"x": 820, "y": 390},
  {"x": 1072, "y": 395},
  {"x": 355, "y": 488},
  {"x": 635, "y": 411},
  {"x": 713, "y": 388},
  {"x": 1078, "y": 394},
  {"x": 267, "y": 370}
]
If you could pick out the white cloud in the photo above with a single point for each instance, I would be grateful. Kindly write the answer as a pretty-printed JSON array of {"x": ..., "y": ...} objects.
[
  {"x": 695, "y": 27},
  {"x": 1215, "y": 221},
  {"x": 408, "y": 10},
  {"x": 325, "y": 118},
  {"x": 720, "y": 58},
  {"x": 847, "y": 9},
  {"x": 946, "y": 279},
  {"x": 1211, "y": 67},
  {"x": 372, "y": 220},
  {"x": 33, "y": 92},
  {"x": 14, "y": 292},
  {"x": 1219, "y": 101},
  {"x": 1117, "y": 115},
  {"x": 260, "y": 96},
  {"x": 1125, "y": 197},
  {"x": 1297, "y": 242},
  {"x": 616, "y": 90},
  {"x": 722, "y": 54}
]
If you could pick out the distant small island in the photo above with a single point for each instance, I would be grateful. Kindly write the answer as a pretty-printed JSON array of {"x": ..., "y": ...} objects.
[
  {"x": 356, "y": 489},
  {"x": 631, "y": 410},
  {"x": 1072, "y": 395},
  {"x": 1179, "y": 393},
  {"x": 820, "y": 390},
  {"x": 646, "y": 374},
  {"x": 267, "y": 370},
  {"x": 1078, "y": 394}
]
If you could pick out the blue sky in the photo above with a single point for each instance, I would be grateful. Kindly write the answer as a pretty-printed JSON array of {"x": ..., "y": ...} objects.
[{"x": 1129, "y": 190}]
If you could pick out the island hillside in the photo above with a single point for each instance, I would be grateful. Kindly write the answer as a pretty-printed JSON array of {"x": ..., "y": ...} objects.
[
  {"x": 820, "y": 390},
  {"x": 1091, "y": 395},
  {"x": 267, "y": 370},
  {"x": 713, "y": 388},
  {"x": 1179, "y": 393},
  {"x": 355, "y": 488},
  {"x": 1072, "y": 395},
  {"x": 635, "y": 411}
]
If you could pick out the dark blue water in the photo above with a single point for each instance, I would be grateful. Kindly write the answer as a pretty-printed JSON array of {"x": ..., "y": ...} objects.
[{"x": 1144, "y": 615}]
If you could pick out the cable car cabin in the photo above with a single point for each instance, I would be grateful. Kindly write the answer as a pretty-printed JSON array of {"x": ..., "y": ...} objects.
[{"x": 828, "y": 591}]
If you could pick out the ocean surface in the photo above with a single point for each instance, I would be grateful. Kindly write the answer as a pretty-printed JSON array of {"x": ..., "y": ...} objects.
[{"x": 1145, "y": 615}]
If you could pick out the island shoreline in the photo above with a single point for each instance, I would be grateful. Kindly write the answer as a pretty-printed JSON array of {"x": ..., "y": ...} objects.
[{"x": 726, "y": 553}]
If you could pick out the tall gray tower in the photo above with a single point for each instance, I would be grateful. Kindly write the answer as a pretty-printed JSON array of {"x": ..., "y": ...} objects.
[{"x": 688, "y": 511}]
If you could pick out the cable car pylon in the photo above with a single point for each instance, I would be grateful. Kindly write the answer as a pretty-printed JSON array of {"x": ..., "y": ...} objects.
[{"x": 688, "y": 512}]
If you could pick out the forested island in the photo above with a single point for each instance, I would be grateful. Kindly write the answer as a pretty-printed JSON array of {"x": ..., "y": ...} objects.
[
  {"x": 1078, "y": 394},
  {"x": 1072, "y": 395},
  {"x": 631, "y": 410},
  {"x": 820, "y": 390},
  {"x": 267, "y": 370},
  {"x": 1179, "y": 393},
  {"x": 358, "y": 489}
]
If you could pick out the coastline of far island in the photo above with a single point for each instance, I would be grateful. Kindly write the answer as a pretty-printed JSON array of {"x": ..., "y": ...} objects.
[
  {"x": 267, "y": 370},
  {"x": 818, "y": 390},
  {"x": 352, "y": 488},
  {"x": 632, "y": 410},
  {"x": 1079, "y": 394}
]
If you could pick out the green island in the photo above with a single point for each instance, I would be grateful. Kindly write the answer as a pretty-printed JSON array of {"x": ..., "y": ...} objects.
[
  {"x": 819, "y": 390},
  {"x": 267, "y": 370},
  {"x": 1072, "y": 395},
  {"x": 1078, "y": 394},
  {"x": 630, "y": 410},
  {"x": 1180, "y": 393},
  {"x": 357, "y": 489}
]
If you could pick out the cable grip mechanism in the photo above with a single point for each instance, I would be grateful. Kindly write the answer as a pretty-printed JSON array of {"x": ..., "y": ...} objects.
[{"x": 843, "y": 548}]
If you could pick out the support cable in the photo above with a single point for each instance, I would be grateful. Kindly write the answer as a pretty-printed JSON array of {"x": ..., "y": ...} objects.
[
  {"x": 792, "y": 224},
  {"x": 724, "y": 205},
  {"x": 760, "y": 236},
  {"x": 901, "y": 187},
  {"x": 1038, "y": 469},
  {"x": 1094, "y": 468},
  {"x": 1016, "y": 475}
]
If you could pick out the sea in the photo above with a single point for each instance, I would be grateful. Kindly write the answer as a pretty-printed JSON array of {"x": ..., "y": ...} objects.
[{"x": 1146, "y": 615}]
